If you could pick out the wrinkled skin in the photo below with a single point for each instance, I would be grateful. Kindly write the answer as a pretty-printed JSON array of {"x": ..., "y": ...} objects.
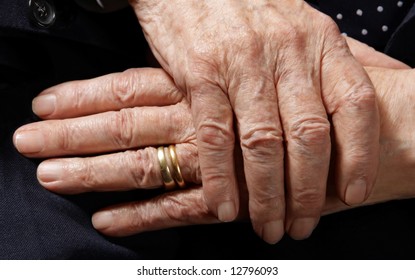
[
  {"x": 169, "y": 120},
  {"x": 276, "y": 71}
]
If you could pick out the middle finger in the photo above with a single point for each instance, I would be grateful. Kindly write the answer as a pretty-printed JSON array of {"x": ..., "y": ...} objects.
[
  {"x": 307, "y": 132},
  {"x": 110, "y": 131}
]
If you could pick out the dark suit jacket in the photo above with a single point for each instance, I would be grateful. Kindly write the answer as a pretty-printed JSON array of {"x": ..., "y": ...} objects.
[
  {"x": 402, "y": 43},
  {"x": 399, "y": 20},
  {"x": 37, "y": 224}
]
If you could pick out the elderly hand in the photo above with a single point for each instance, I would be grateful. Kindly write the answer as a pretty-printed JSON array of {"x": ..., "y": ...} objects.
[
  {"x": 161, "y": 122},
  {"x": 283, "y": 70},
  {"x": 134, "y": 127}
]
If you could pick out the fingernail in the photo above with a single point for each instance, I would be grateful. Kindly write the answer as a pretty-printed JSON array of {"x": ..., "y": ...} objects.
[
  {"x": 44, "y": 105},
  {"x": 356, "y": 192},
  {"x": 29, "y": 142},
  {"x": 301, "y": 228},
  {"x": 49, "y": 172},
  {"x": 272, "y": 232},
  {"x": 102, "y": 220},
  {"x": 226, "y": 212}
]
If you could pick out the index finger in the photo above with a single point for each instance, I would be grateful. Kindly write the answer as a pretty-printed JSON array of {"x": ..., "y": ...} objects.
[
  {"x": 131, "y": 88},
  {"x": 350, "y": 99},
  {"x": 213, "y": 118}
]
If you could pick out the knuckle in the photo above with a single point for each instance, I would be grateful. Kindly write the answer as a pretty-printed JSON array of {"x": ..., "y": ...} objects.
[
  {"x": 121, "y": 128},
  {"x": 67, "y": 139},
  {"x": 178, "y": 209},
  {"x": 140, "y": 216},
  {"x": 310, "y": 132},
  {"x": 261, "y": 143},
  {"x": 85, "y": 173},
  {"x": 174, "y": 209},
  {"x": 330, "y": 34},
  {"x": 76, "y": 91},
  {"x": 327, "y": 24},
  {"x": 362, "y": 97},
  {"x": 222, "y": 181},
  {"x": 144, "y": 171},
  {"x": 172, "y": 92},
  {"x": 215, "y": 136},
  {"x": 135, "y": 219},
  {"x": 123, "y": 86}
]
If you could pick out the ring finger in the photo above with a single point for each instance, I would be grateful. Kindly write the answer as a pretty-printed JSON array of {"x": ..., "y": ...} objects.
[{"x": 129, "y": 170}]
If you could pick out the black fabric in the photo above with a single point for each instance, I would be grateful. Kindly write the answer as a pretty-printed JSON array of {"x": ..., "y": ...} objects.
[
  {"x": 372, "y": 22},
  {"x": 397, "y": 41},
  {"x": 378, "y": 232},
  {"x": 109, "y": 31},
  {"x": 37, "y": 224},
  {"x": 402, "y": 42}
]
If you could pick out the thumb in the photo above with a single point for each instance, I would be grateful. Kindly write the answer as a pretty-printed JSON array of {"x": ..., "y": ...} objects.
[{"x": 368, "y": 56}]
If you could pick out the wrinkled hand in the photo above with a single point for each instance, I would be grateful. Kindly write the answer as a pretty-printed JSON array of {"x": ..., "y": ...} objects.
[
  {"x": 118, "y": 112},
  {"x": 92, "y": 132},
  {"x": 135, "y": 127},
  {"x": 86, "y": 132},
  {"x": 282, "y": 69}
]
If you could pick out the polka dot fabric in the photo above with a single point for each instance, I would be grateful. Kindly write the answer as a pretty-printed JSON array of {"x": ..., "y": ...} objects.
[{"x": 370, "y": 21}]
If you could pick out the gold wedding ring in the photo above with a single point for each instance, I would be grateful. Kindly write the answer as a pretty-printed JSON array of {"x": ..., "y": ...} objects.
[
  {"x": 168, "y": 180},
  {"x": 177, "y": 174},
  {"x": 169, "y": 167}
]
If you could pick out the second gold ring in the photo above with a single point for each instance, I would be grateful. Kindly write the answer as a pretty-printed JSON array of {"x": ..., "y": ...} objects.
[{"x": 170, "y": 168}]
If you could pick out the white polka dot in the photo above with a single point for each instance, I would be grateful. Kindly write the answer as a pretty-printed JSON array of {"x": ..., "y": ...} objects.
[
  {"x": 380, "y": 9},
  {"x": 400, "y": 3},
  {"x": 339, "y": 16},
  {"x": 359, "y": 12},
  {"x": 385, "y": 28},
  {"x": 344, "y": 34},
  {"x": 364, "y": 31}
]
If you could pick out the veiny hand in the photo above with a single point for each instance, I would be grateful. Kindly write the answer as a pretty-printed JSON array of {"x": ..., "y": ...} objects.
[
  {"x": 283, "y": 70},
  {"x": 395, "y": 180},
  {"x": 107, "y": 132},
  {"x": 122, "y": 113}
]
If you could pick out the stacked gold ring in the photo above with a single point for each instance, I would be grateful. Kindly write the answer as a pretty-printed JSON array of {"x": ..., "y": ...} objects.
[
  {"x": 169, "y": 167},
  {"x": 177, "y": 173}
]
